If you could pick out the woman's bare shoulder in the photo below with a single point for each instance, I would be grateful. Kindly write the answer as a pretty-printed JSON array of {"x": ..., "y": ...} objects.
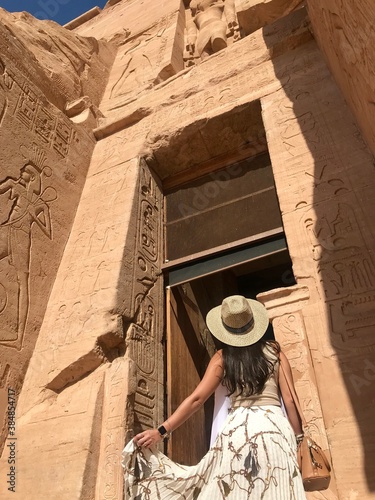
[
  {"x": 217, "y": 361},
  {"x": 218, "y": 356},
  {"x": 273, "y": 349}
]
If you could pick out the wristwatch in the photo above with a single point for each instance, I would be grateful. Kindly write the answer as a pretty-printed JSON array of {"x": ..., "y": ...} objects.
[{"x": 162, "y": 431}]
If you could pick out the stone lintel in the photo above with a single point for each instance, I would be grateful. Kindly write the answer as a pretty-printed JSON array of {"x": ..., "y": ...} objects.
[
  {"x": 83, "y": 18},
  {"x": 284, "y": 300}
]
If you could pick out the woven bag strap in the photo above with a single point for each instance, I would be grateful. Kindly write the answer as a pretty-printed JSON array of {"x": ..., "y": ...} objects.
[{"x": 292, "y": 391}]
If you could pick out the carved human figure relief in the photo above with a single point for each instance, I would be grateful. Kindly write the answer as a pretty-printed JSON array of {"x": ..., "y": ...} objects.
[
  {"x": 209, "y": 26},
  {"x": 139, "y": 68},
  {"x": 28, "y": 207}
]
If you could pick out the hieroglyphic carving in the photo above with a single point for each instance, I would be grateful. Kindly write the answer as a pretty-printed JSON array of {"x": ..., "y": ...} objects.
[
  {"x": 346, "y": 272},
  {"x": 290, "y": 332},
  {"x": 27, "y": 106},
  {"x": 305, "y": 122},
  {"x": 63, "y": 136},
  {"x": 9, "y": 79},
  {"x": 29, "y": 207},
  {"x": 54, "y": 131},
  {"x": 353, "y": 321},
  {"x": 118, "y": 384},
  {"x": 7, "y": 75},
  {"x": 208, "y": 26},
  {"x": 44, "y": 124},
  {"x": 144, "y": 336},
  {"x": 145, "y": 401}
]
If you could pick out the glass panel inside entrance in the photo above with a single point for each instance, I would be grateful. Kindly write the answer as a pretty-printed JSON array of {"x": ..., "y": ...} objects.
[{"x": 222, "y": 207}]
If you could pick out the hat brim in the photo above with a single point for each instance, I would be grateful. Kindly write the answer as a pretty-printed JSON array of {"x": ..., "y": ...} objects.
[{"x": 249, "y": 337}]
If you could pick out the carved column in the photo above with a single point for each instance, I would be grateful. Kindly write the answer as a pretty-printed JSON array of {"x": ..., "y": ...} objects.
[
  {"x": 145, "y": 308},
  {"x": 324, "y": 180},
  {"x": 133, "y": 387}
]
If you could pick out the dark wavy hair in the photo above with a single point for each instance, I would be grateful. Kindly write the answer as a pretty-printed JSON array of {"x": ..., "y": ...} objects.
[{"x": 247, "y": 369}]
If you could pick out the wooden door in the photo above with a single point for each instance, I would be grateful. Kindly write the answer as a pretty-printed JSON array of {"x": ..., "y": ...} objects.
[
  {"x": 189, "y": 349},
  {"x": 185, "y": 363}
]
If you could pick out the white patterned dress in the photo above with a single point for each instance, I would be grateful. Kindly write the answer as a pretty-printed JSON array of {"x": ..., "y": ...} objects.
[{"x": 253, "y": 457}]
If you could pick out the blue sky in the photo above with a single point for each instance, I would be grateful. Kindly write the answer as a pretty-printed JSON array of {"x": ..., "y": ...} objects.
[{"x": 61, "y": 11}]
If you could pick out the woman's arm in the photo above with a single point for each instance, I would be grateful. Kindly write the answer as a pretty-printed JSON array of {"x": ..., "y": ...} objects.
[
  {"x": 290, "y": 407},
  {"x": 206, "y": 387}
]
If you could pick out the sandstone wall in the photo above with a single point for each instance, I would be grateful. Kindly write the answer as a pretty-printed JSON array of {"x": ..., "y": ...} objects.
[
  {"x": 344, "y": 31},
  {"x": 107, "y": 291},
  {"x": 322, "y": 170},
  {"x": 96, "y": 375},
  {"x": 45, "y": 157}
]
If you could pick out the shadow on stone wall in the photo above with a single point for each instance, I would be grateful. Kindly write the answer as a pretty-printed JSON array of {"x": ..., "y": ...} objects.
[{"x": 331, "y": 205}]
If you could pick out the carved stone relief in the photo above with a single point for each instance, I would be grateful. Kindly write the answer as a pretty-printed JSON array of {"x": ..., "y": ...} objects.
[
  {"x": 186, "y": 102},
  {"x": 146, "y": 59},
  {"x": 145, "y": 333},
  {"x": 324, "y": 178},
  {"x": 343, "y": 33},
  {"x": 41, "y": 178},
  {"x": 343, "y": 267},
  {"x": 27, "y": 193},
  {"x": 347, "y": 274},
  {"x": 210, "y": 26},
  {"x": 289, "y": 329},
  {"x": 118, "y": 385},
  {"x": 30, "y": 208},
  {"x": 138, "y": 65}
]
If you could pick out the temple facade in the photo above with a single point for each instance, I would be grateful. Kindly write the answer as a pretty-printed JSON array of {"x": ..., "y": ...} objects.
[{"x": 158, "y": 156}]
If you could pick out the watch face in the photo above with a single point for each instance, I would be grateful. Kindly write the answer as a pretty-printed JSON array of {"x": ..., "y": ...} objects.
[{"x": 162, "y": 430}]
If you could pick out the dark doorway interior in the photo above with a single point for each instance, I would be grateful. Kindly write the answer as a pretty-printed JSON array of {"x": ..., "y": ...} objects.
[{"x": 190, "y": 346}]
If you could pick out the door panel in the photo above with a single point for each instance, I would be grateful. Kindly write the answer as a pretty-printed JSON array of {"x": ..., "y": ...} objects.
[
  {"x": 187, "y": 444},
  {"x": 189, "y": 350}
]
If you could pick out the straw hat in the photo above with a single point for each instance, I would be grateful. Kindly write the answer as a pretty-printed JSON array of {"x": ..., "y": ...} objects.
[{"x": 238, "y": 321}]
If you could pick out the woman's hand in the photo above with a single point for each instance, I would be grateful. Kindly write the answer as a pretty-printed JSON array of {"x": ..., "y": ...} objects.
[{"x": 147, "y": 438}]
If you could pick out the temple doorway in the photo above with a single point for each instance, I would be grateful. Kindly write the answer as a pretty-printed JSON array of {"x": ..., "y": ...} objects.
[
  {"x": 189, "y": 345},
  {"x": 223, "y": 236}
]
